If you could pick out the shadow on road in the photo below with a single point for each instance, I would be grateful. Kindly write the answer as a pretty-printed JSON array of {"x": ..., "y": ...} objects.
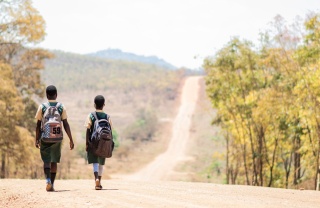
[
  {"x": 61, "y": 190},
  {"x": 109, "y": 189}
]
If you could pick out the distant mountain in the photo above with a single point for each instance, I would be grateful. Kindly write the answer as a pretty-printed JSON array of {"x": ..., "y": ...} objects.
[
  {"x": 117, "y": 54},
  {"x": 75, "y": 72}
]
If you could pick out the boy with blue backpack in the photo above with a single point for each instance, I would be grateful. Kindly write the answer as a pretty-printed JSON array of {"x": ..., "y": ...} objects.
[
  {"x": 99, "y": 139},
  {"x": 49, "y": 134}
]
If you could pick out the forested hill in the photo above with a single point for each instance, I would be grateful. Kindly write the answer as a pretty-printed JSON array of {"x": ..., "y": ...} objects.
[
  {"x": 74, "y": 72},
  {"x": 116, "y": 54}
]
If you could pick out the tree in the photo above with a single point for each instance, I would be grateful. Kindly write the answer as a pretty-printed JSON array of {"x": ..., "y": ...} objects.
[
  {"x": 268, "y": 104},
  {"x": 21, "y": 27}
]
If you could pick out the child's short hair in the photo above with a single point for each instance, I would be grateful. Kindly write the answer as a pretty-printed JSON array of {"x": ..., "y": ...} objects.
[
  {"x": 51, "y": 90},
  {"x": 99, "y": 101}
]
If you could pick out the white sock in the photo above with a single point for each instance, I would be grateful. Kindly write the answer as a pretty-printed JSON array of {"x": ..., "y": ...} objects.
[{"x": 100, "y": 170}]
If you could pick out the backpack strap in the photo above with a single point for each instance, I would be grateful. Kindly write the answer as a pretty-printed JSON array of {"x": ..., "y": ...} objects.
[
  {"x": 46, "y": 105},
  {"x": 95, "y": 115},
  {"x": 96, "y": 118},
  {"x": 59, "y": 108}
]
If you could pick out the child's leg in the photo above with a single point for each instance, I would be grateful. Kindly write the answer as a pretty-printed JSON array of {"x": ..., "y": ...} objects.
[
  {"x": 95, "y": 170},
  {"x": 101, "y": 163},
  {"x": 54, "y": 167},
  {"x": 46, "y": 168},
  {"x": 100, "y": 172}
]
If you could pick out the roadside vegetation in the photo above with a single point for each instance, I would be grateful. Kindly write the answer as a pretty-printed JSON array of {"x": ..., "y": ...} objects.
[{"x": 267, "y": 97}]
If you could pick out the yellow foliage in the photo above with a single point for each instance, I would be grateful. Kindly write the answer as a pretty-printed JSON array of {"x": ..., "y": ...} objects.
[
  {"x": 268, "y": 102},
  {"x": 21, "y": 23}
]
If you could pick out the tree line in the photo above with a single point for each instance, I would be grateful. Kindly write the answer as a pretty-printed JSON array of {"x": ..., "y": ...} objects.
[
  {"x": 20, "y": 25},
  {"x": 267, "y": 97}
]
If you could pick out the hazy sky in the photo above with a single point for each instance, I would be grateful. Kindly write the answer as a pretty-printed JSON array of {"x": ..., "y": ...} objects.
[{"x": 174, "y": 30}]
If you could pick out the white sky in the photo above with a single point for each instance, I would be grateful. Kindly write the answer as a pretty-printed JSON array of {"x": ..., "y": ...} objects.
[{"x": 174, "y": 30}]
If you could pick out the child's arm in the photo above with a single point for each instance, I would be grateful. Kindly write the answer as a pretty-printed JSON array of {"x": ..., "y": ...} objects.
[
  {"x": 66, "y": 126},
  {"x": 109, "y": 119},
  {"x": 38, "y": 134},
  {"x": 87, "y": 139},
  {"x": 68, "y": 131},
  {"x": 38, "y": 128},
  {"x": 88, "y": 124}
]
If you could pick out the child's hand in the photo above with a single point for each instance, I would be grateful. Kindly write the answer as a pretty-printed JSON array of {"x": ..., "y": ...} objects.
[
  {"x": 37, "y": 143},
  {"x": 71, "y": 145}
]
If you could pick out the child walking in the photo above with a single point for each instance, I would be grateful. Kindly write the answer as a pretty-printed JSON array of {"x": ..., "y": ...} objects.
[
  {"x": 96, "y": 161},
  {"x": 49, "y": 134}
]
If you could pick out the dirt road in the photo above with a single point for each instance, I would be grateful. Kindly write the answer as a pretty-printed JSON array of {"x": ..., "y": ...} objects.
[
  {"x": 163, "y": 165},
  {"x": 153, "y": 194},
  {"x": 149, "y": 188}
]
